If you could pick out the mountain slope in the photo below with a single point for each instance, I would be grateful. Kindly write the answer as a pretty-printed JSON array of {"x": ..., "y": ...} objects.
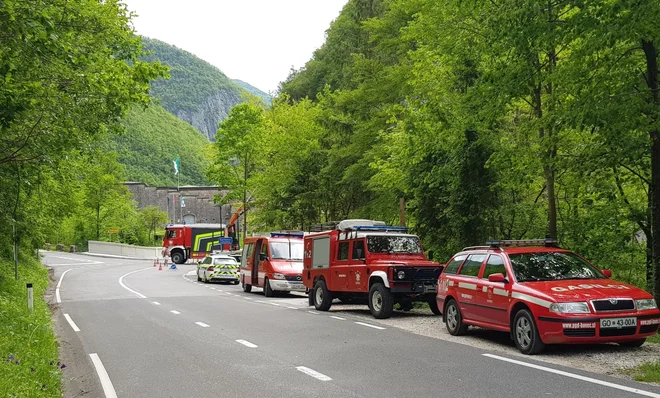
[
  {"x": 196, "y": 92},
  {"x": 153, "y": 139},
  {"x": 253, "y": 90}
]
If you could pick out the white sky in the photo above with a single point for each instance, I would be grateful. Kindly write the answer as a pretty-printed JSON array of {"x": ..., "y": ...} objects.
[{"x": 257, "y": 41}]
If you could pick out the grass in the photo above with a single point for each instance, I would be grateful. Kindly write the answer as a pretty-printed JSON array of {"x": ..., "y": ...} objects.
[
  {"x": 29, "y": 364},
  {"x": 654, "y": 339}
]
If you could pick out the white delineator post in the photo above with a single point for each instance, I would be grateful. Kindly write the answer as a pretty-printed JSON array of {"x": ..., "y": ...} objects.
[{"x": 30, "y": 297}]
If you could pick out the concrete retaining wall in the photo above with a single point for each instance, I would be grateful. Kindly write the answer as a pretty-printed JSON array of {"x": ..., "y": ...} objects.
[{"x": 120, "y": 249}]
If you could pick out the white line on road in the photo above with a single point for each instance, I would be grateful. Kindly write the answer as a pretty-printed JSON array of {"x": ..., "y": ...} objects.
[
  {"x": 274, "y": 304},
  {"x": 156, "y": 302},
  {"x": 246, "y": 343},
  {"x": 337, "y": 317},
  {"x": 575, "y": 376},
  {"x": 247, "y": 298},
  {"x": 121, "y": 282},
  {"x": 72, "y": 323},
  {"x": 202, "y": 324},
  {"x": 370, "y": 326},
  {"x": 108, "y": 389},
  {"x": 292, "y": 308},
  {"x": 313, "y": 373},
  {"x": 175, "y": 312},
  {"x": 212, "y": 288},
  {"x": 219, "y": 290},
  {"x": 314, "y": 312},
  {"x": 229, "y": 293},
  {"x": 57, "y": 289},
  {"x": 261, "y": 301}
]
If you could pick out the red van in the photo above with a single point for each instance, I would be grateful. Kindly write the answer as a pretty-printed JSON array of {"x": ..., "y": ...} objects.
[{"x": 273, "y": 262}]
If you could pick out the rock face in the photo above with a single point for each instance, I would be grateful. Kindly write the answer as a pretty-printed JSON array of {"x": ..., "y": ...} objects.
[{"x": 214, "y": 109}]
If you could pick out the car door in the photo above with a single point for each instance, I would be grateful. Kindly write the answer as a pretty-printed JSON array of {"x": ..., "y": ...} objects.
[
  {"x": 358, "y": 280},
  {"x": 493, "y": 297},
  {"x": 466, "y": 287},
  {"x": 340, "y": 267},
  {"x": 202, "y": 266}
]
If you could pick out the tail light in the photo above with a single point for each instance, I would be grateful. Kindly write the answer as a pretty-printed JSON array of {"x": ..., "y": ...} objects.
[{"x": 210, "y": 269}]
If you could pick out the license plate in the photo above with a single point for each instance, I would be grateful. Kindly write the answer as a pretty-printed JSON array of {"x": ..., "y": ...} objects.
[
  {"x": 618, "y": 323},
  {"x": 430, "y": 289}
]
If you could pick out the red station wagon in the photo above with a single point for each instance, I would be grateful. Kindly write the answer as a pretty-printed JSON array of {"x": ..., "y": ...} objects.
[{"x": 542, "y": 294}]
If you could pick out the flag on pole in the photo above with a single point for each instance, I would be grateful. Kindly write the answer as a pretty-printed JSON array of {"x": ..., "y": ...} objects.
[
  {"x": 176, "y": 166},
  {"x": 183, "y": 204}
]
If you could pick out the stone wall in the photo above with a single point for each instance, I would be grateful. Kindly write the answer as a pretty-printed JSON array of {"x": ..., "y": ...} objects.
[{"x": 198, "y": 202}]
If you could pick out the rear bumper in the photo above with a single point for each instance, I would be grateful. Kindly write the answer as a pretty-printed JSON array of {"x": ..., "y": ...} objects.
[
  {"x": 281, "y": 285},
  {"x": 225, "y": 277},
  {"x": 568, "y": 330}
]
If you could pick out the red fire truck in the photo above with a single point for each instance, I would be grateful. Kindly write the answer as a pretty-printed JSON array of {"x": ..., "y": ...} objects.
[
  {"x": 192, "y": 241},
  {"x": 365, "y": 260}
]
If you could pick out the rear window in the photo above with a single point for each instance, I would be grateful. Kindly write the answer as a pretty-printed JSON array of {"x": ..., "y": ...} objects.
[
  {"x": 453, "y": 265},
  {"x": 472, "y": 265}
]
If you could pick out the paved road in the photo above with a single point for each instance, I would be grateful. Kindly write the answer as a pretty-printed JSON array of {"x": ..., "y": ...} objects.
[{"x": 163, "y": 334}]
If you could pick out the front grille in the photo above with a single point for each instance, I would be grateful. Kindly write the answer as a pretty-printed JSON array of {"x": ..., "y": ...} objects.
[
  {"x": 617, "y": 332},
  {"x": 615, "y": 305},
  {"x": 427, "y": 273},
  {"x": 580, "y": 332},
  {"x": 648, "y": 328},
  {"x": 297, "y": 278}
]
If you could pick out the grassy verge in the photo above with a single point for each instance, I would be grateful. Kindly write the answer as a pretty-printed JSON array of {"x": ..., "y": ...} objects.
[
  {"x": 647, "y": 372},
  {"x": 29, "y": 364},
  {"x": 655, "y": 339}
]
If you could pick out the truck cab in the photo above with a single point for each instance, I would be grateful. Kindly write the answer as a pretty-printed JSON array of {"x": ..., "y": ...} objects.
[
  {"x": 368, "y": 261},
  {"x": 183, "y": 242},
  {"x": 273, "y": 262}
]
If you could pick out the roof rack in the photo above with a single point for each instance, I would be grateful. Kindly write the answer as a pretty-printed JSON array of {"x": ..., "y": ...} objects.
[
  {"x": 547, "y": 242},
  {"x": 380, "y": 228},
  {"x": 284, "y": 234},
  {"x": 478, "y": 247}
]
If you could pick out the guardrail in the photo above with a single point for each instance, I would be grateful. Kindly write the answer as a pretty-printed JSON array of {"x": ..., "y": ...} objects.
[{"x": 120, "y": 249}]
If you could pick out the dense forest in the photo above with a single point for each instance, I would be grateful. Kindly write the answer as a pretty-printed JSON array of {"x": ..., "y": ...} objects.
[
  {"x": 196, "y": 91},
  {"x": 503, "y": 119},
  {"x": 153, "y": 139}
]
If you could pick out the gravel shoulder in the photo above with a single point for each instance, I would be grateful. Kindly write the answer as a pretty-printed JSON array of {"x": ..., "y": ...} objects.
[{"x": 610, "y": 359}]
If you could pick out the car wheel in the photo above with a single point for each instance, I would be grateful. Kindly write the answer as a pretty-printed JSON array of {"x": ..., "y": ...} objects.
[
  {"x": 198, "y": 278},
  {"x": 235, "y": 282},
  {"x": 310, "y": 298},
  {"x": 246, "y": 288},
  {"x": 381, "y": 302},
  {"x": 433, "y": 305},
  {"x": 525, "y": 333},
  {"x": 454, "y": 319},
  {"x": 268, "y": 292},
  {"x": 205, "y": 278},
  {"x": 178, "y": 258},
  {"x": 632, "y": 343},
  {"x": 321, "y": 296}
]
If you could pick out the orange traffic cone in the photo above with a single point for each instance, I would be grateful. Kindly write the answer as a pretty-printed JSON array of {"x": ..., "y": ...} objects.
[
  {"x": 160, "y": 267},
  {"x": 156, "y": 263}
]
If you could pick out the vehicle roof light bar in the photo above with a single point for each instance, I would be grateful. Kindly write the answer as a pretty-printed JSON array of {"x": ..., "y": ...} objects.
[{"x": 548, "y": 242}]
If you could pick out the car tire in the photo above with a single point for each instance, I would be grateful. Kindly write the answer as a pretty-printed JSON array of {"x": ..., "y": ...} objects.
[
  {"x": 198, "y": 278},
  {"x": 268, "y": 291},
  {"x": 310, "y": 298},
  {"x": 204, "y": 278},
  {"x": 246, "y": 288},
  {"x": 178, "y": 258},
  {"x": 454, "y": 319},
  {"x": 632, "y": 343},
  {"x": 433, "y": 305},
  {"x": 235, "y": 282},
  {"x": 525, "y": 333},
  {"x": 381, "y": 302},
  {"x": 321, "y": 296}
]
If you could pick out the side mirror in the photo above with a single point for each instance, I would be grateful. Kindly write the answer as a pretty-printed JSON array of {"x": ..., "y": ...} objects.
[
  {"x": 263, "y": 257},
  {"x": 499, "y": 278},
  {"x": 607, "y": 273}
]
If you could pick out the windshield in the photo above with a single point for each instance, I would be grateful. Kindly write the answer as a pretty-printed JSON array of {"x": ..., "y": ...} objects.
[
  {"x": 291, "y": 250},
  {"x": 394, "y": 244},
  {"x": 529, "y": 267}
]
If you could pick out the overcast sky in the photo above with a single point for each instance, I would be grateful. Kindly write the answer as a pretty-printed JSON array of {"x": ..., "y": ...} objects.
[{"x": 257, "y": 41}]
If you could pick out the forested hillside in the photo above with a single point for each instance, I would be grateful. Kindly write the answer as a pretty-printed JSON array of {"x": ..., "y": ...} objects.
[
  {"x": 266, "y": 98},
  {"x": 153, "y": 139},
  {"x": 196, "y": 91},
  {"x": 502, "y": 120}
]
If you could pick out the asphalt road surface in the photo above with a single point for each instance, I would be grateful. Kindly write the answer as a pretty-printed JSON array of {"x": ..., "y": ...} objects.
[{"x": 130, "y": 330}]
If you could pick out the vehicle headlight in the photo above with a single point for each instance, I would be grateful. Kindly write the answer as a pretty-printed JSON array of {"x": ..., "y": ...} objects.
[
  {"x": 279, "y": 276},
  {"x": 646, "y": 304},
  {"x": 401, "y": 274},
  {"x": 570, "y": 308}
]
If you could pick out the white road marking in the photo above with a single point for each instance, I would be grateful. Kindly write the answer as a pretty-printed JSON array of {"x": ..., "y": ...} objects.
[
  {"x": 261, "y": 301},
  {"x": 292, "y": 308},
  {"x": 246, "y": 343},
  {"x": 220, "y": 290},
  {"x": 370, "y": 326},
  {"x": 274, "y": 304},
  {"x": 247, "y": 298},
  {"x": 108, "y": 389},
  {"x": 212, "y": 288},
  {"x": 72, "y": 323},
  {"x": 575, "y": 376},
  {"x": 314, "y": 312},
  {"x": 175, "y": 312},
  {"x": 313, "y": 373},
  {"x": 121, "y": 282},
  {"x": 337, "y": 317},
  {"x": 156, "y": 302},
  {"x": 57, "y": 289},
  {"x": 202, "y": 324},
  {"x": 229, "y": 293}
]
